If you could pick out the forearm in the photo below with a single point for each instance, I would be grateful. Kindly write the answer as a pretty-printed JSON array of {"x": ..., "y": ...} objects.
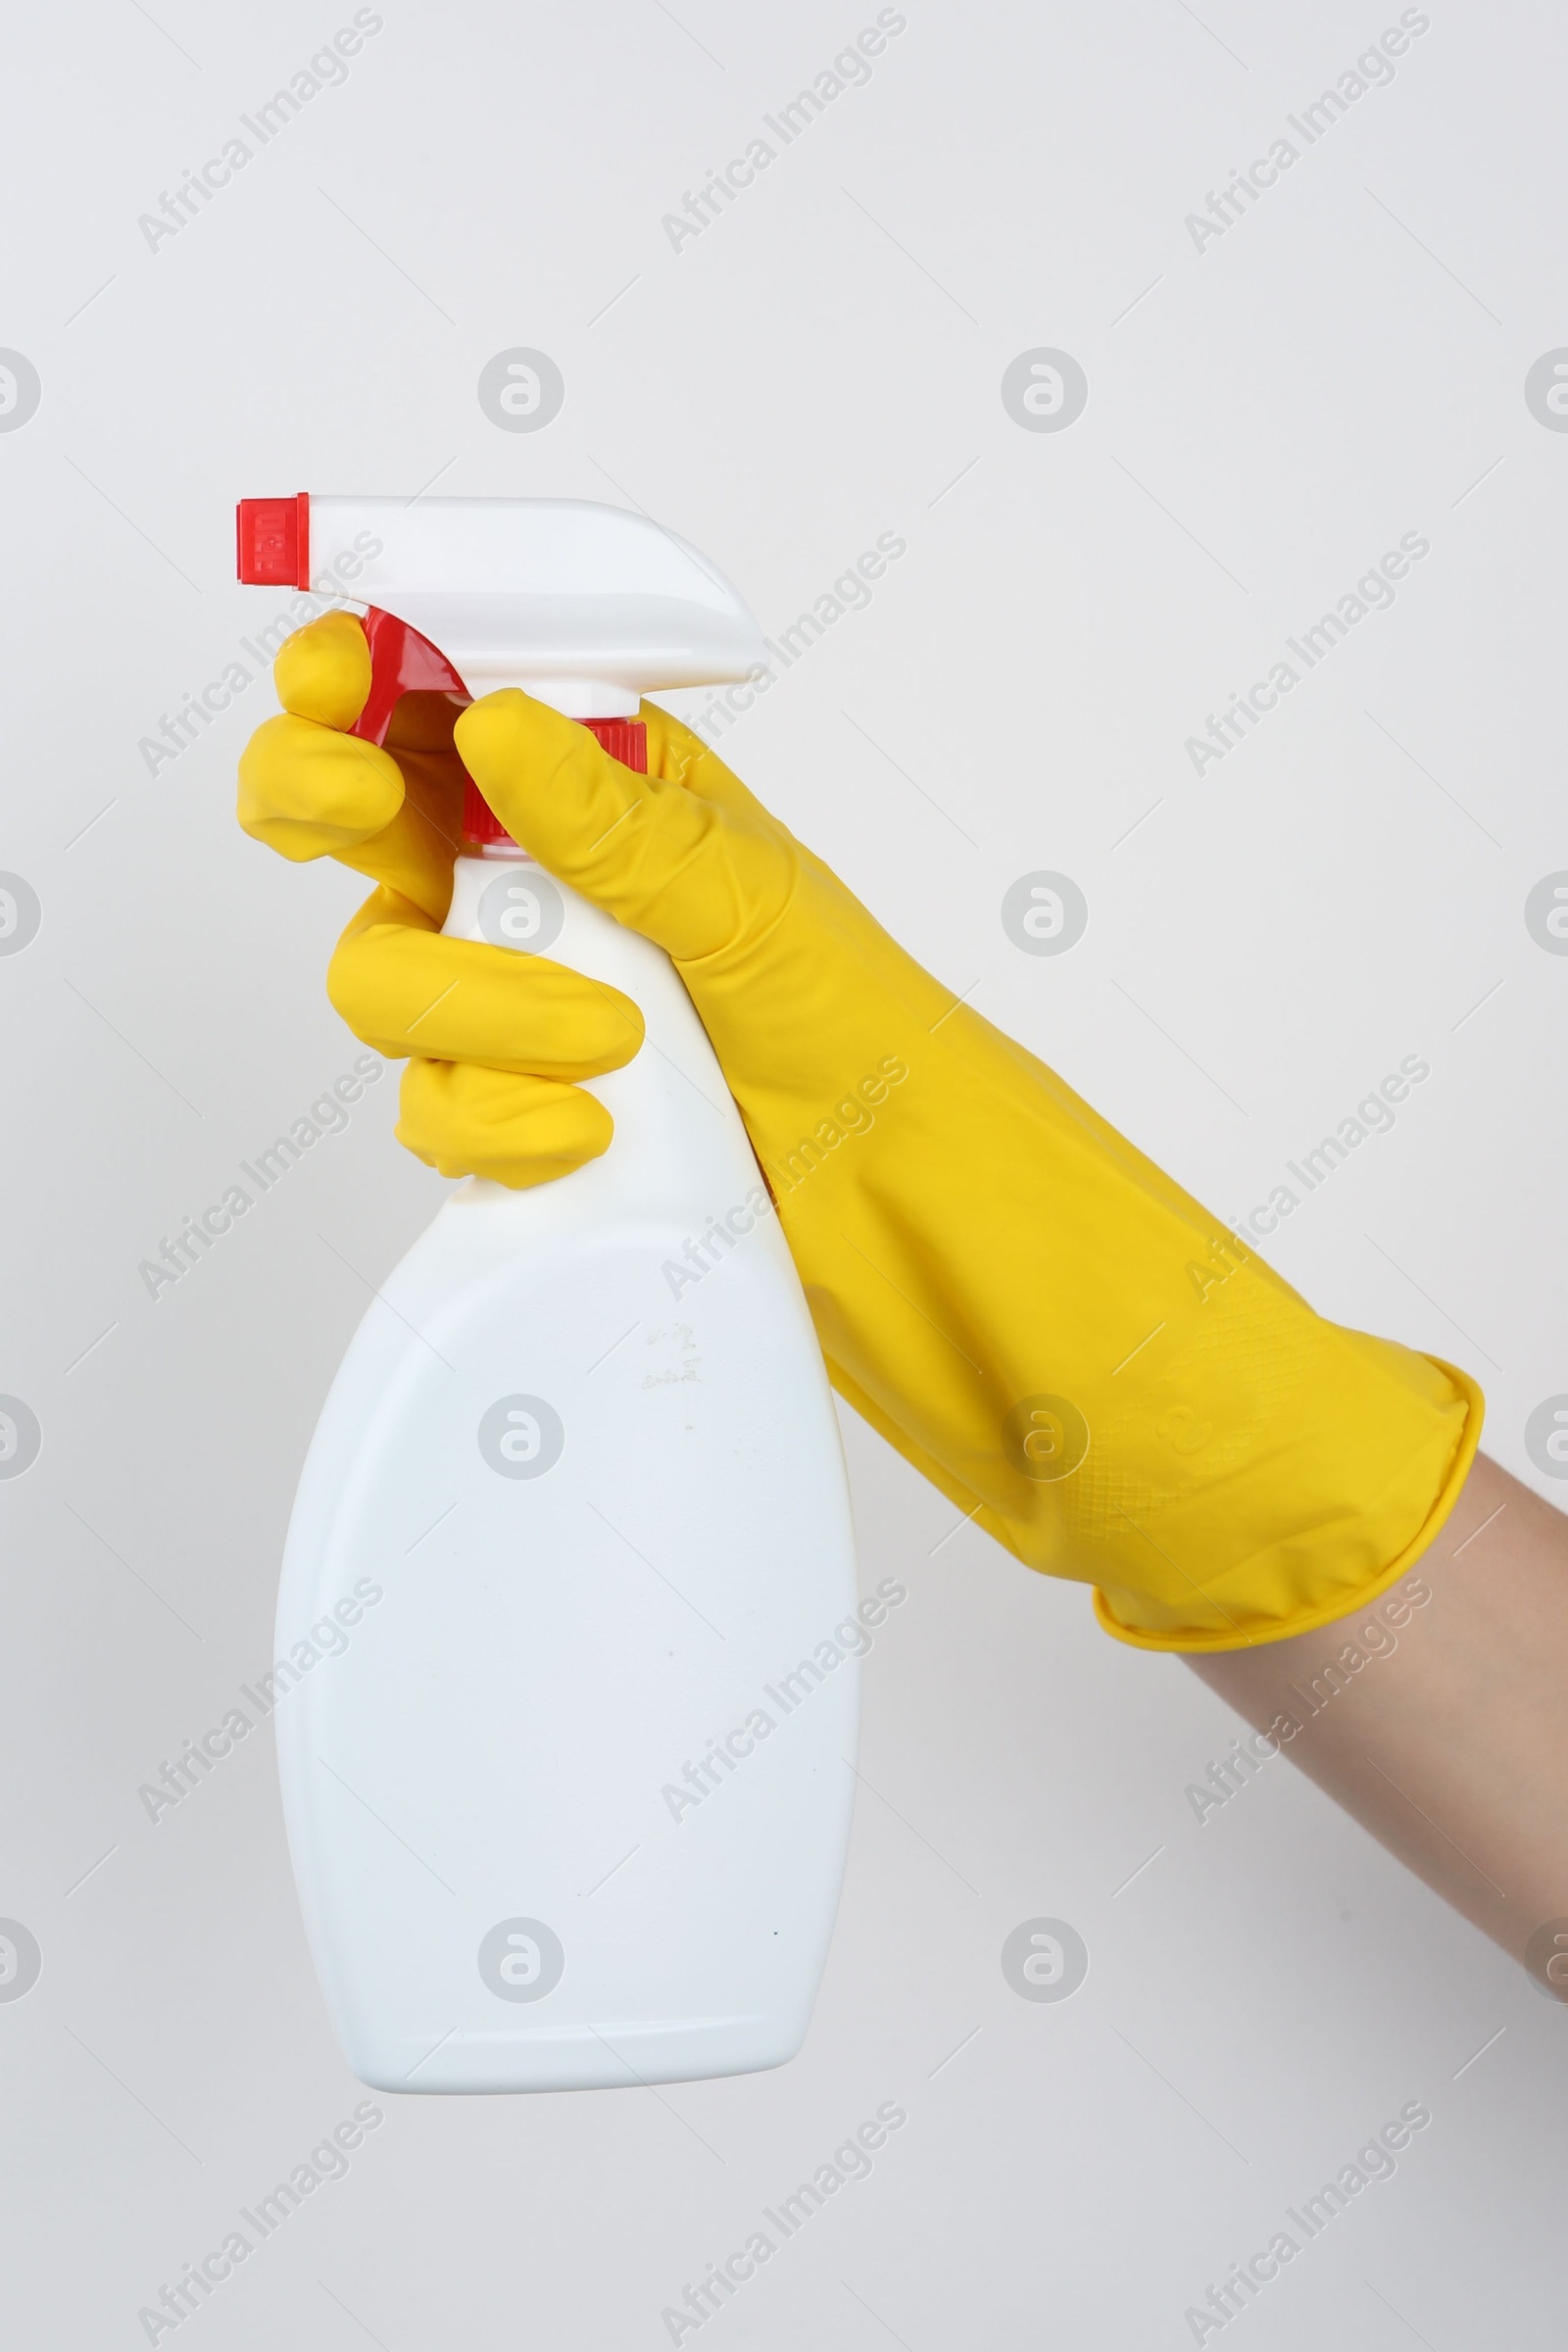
[{"x": 1448, "y": 1739}]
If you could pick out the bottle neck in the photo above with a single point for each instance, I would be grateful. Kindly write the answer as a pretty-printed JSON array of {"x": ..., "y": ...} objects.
[
  {"x": 483, "y": 833},
  {"x": 678, "y": 1141}
]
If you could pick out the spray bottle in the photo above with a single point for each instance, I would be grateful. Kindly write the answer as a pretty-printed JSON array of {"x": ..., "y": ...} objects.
[{"x": 569, "y": 1802}]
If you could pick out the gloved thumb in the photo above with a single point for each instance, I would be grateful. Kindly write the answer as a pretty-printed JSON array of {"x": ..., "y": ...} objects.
[{"x": 691, "y": 864}]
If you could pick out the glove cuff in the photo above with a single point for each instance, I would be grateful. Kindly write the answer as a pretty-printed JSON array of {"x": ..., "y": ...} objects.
[{"x": 1144, "y": 1622}]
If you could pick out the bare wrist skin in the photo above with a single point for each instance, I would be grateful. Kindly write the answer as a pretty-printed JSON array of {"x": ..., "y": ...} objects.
[{"x": 1438, "y": 1716}]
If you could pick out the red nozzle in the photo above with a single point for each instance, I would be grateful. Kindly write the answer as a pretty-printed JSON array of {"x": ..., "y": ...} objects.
[{"x": 274, "y": 541}]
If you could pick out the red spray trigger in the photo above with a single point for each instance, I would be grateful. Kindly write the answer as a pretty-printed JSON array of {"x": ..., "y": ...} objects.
[{"x": 402, "y": 661}]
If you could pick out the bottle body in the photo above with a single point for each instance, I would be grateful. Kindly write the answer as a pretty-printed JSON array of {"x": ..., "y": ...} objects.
[{"x": 570, "y": 1808}]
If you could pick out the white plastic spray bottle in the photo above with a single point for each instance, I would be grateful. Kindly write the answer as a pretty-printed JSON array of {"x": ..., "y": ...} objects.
[{"x": 568, "y": 1779}]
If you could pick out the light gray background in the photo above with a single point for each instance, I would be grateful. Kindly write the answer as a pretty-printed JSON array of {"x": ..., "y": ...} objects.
[{"x": 822, "y": 365}]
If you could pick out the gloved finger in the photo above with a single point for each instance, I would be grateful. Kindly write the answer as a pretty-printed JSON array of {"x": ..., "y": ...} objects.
[
  {"x": 685, "y": 870},
  {"x": 414, "y": 855},
  {"x": 678, "y": 755},
  {"x": 308, "y": 791},
  {"x": 322, "y": 673},
  {"x": 520, "y": 1131},
  {"x": 404, "y": 990}
]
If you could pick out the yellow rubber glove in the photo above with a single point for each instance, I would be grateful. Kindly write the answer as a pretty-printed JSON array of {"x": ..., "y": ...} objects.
[
  {"x": 493, "y": 1037},
  {"x": 1071, "y": 1348}
]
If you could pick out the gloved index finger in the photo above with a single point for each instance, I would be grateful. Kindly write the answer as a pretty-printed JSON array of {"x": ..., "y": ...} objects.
[{"x": 659, "y": 857}]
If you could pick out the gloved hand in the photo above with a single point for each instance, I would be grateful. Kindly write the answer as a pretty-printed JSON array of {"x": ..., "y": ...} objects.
[
  {"x": 1051, "y": 1331},
  {"x": 493, "y": 1038}
]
